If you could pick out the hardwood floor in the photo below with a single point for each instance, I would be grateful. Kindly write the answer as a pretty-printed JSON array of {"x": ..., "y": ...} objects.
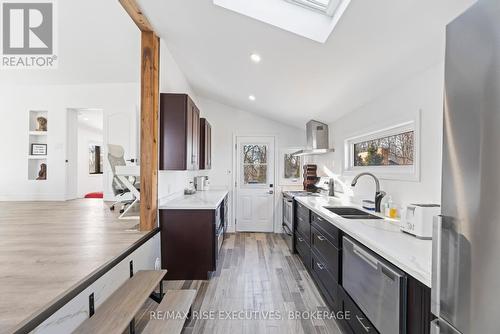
[
  {"x": 48, "y": 247},
  {"x": 256, "y": 273}
]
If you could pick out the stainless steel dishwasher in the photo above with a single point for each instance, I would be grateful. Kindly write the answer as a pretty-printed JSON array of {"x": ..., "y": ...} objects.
[{"x": 377, "y": 287}]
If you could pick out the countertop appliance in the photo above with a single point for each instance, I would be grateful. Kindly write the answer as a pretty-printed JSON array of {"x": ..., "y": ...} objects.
[
  {"x": 377, "y": 287},
  {"x": 466, "y": 266},
  {"x": 417, "y": 219},
  {"x": 288, "y": 215}
]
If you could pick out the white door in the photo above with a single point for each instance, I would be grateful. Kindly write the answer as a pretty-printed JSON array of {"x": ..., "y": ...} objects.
[{"x": 255, "y": 184}]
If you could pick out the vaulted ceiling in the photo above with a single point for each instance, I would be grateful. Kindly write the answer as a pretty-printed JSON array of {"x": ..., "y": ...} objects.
[{"x": 375, "y": 45}]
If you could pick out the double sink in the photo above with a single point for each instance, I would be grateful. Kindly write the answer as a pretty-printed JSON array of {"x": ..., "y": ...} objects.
[{"x": 351, "y": 213}]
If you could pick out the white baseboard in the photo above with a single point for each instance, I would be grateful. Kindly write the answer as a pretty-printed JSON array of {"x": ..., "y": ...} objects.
[{"x": 31, "y": 197}]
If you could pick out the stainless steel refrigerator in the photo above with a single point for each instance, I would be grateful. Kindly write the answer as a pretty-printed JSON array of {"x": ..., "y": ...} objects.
[{"x": 466, "y": 240}]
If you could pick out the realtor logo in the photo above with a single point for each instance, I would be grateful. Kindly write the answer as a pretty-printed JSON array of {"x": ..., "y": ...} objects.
[{"x": 28, "y": 34}]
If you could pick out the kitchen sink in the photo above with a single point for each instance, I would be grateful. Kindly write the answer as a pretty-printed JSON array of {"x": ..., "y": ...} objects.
[{"x": 351, "y": 213}]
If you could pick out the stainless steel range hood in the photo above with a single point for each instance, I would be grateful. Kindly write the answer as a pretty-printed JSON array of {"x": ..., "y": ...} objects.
[{"x": 317, "y": 139}]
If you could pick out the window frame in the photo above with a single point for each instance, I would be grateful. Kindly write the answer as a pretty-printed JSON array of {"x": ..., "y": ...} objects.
[
  {"x": 288, "y": 181},
  {"x": 391, "y": 172}
]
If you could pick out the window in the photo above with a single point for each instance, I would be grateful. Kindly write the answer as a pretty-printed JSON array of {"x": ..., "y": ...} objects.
[
  {"x": 390, "y": 153},
  {"x": 254, "y": 164},
  {"x": 290, "y": 167},
  {"x": 95, "y": 159},
  {"x": 391, "y": 150}
]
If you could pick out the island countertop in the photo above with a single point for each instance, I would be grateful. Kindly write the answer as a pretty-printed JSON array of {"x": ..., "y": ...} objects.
[
  {"x": 383, "y": 237},
  {"x": 201, "y": 200}
]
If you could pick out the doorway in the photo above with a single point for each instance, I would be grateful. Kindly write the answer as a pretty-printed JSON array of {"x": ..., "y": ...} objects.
[
  {"x": 84, "y": 153},
  {"x": 255, "y": 186}
]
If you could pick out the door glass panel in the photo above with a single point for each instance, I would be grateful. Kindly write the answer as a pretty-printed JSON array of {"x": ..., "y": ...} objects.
[
  {"x": 255, "y": 174},
  {"x": 254, "y": 154},
  {"x": 254, "y": 158}
]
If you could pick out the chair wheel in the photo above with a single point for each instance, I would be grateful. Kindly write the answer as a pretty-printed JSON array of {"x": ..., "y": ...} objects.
[
  {"x": 112, "y": 208},
  {"x": 122, "y": 211}
]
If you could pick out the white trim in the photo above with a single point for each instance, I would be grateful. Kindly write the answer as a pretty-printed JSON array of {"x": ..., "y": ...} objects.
[
  {"x": 281, "y": 167},
  {"x": 404, "y": 173}
]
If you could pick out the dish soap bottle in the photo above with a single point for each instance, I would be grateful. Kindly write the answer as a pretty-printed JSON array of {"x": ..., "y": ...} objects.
[{"x": 387, "y": 207}]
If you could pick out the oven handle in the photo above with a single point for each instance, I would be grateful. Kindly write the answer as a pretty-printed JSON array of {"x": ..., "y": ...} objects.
[{"x": 287, "y": 230}]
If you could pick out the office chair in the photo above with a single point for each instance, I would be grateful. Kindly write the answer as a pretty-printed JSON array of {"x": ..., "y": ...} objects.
[{"x": 116, "y": 158}]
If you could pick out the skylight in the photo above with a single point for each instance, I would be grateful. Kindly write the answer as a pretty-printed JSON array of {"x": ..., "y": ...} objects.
[
  {"x": 326, "y": 7},
  {"x": 313, "y": 19}
]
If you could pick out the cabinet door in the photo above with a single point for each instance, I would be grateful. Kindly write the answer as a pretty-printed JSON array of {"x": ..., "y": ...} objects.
[
  {"x": 195, "y": 139},
  {"x": 189, "y": 135},
  {"x": 208, "y": 146}
]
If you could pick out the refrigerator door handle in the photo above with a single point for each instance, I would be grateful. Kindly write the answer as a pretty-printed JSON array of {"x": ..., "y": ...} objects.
[{"x": 437, "y": 236}]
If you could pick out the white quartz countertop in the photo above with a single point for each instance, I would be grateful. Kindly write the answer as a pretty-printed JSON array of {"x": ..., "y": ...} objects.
[
  {"x": 383, "y": 237},
  {"x": 201, "y": 200}
]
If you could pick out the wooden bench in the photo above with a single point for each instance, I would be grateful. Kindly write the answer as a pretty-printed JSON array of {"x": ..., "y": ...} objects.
[
  {"x": 115, "y": 313},
  {"x": 174, "y": 302}
]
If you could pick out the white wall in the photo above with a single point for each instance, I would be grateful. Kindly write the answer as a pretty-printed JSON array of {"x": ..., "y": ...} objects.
[
  {"x": 17, "y": 100},
  {"x": 424, "y": 92},
  {"x": 88, "y": 182}
]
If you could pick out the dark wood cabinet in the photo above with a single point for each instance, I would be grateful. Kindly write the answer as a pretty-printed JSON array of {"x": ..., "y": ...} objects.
[
  {"x": 319, "y": 246},
  {"x": 191, "y": 241},
  {"x": 179, "y": 133},
  {"x": 205, "y": 144}
]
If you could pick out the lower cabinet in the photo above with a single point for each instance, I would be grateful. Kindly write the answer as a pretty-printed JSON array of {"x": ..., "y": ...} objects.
[
  {"x": 191, "y": 242},
  {"x": 303, "y": 250},
  {"x": 325, "y": 281},
  {"x": 356, "y": 321},
  {"x": 318, "y": 244}
]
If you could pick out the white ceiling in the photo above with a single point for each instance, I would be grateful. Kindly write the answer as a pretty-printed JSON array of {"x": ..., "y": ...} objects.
[
  {"x": 375, "y": 45},
  {"x": 97, "y": 43}
]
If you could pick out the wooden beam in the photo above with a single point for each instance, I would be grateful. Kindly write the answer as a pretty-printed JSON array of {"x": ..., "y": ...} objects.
[
  {"x": 135, "y": 13},
  {"x": 150, "y": 63}
]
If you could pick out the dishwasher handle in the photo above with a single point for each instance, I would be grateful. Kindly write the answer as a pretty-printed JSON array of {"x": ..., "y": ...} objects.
[
  {"x": 363, "y": 255},
  {"x": 372, "y": 261}
]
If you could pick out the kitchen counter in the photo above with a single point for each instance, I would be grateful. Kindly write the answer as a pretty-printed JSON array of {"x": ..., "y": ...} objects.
[
  {"x": 201, "y": 200},
  {"x": 383, "y": 237}
]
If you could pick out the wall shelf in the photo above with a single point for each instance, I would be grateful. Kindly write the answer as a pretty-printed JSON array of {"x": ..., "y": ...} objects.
[
  {"x": 38, "y": 133},
  {"x": 37, "y": 136}
]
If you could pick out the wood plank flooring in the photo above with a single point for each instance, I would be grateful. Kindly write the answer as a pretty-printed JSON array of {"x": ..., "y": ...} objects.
[
  {"x": 256, "y": 273},
  {"x": 46, "y": 248}
]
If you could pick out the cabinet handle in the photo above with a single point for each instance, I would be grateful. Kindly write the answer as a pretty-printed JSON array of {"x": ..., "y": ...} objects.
[
  {"x": 360, "y": 320},
  {"x": 321, "y": 238},
  {"x": 320, "y": 266}
]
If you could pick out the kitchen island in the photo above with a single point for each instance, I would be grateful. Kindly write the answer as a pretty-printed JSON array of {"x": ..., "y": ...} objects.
[{"x": 192, "y": 233}]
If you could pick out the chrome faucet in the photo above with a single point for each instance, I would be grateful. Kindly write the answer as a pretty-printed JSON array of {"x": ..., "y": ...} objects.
[{"x": 378, "y": 193}]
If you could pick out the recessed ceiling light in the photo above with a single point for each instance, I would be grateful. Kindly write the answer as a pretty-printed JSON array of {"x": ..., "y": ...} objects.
[
  {"x": 85, "y": 119},
  {"x": 251, "y": 97},
  {"x": 255, "y": 58}
]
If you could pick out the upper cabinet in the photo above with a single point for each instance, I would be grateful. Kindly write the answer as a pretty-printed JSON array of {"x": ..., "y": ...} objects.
[
  {"x": 205, "y": 144},
  {"x": 179, "y": 133}
]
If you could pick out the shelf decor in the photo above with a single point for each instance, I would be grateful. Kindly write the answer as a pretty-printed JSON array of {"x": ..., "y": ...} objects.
[
  {"x": 37, "y": 144},
  {"x": 38, "y": 149}
]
